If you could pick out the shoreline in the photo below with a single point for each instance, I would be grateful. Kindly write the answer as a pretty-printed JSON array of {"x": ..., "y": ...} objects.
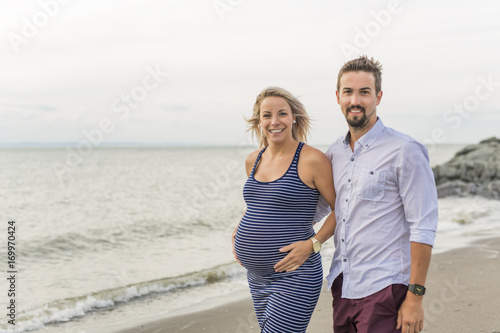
[{"x": 461, "y": 297}]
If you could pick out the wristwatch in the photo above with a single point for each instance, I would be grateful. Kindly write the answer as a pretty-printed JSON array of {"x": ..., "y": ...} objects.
[
  {"x": 316, "y": 245},
  {"x": 417, "y": 289}
]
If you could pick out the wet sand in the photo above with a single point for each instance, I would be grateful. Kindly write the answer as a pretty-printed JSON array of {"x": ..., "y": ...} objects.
[{"x": 463, "y": 295}]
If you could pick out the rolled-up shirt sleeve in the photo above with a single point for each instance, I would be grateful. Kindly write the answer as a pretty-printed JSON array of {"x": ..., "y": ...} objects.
[{"x": 418, "y": 192}]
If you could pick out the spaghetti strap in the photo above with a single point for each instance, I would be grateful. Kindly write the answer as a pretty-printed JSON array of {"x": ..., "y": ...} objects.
[{"x": 257, "y": 160}]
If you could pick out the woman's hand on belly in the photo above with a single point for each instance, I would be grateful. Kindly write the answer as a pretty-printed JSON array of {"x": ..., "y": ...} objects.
[{"x": 298, "y": 253}]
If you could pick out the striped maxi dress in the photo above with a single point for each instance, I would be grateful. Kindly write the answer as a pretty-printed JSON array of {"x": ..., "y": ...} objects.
[{"x": 279, "y": 213}]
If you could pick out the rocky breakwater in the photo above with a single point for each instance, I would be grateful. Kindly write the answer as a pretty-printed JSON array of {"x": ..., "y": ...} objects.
[{"x": 474, "y": 170}]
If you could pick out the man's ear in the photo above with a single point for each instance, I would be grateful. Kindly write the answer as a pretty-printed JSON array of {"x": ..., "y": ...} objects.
[{"x": 379, "y": 96}]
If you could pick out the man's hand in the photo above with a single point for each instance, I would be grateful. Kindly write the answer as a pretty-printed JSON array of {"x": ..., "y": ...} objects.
[
  {"x": 411, "y": 314},
  {"x": 299, "y": 252}
]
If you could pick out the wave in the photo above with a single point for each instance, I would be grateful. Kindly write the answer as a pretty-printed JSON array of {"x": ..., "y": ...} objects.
[
  {"x": 72, "y": 243},
  {"x": 64, "y": 310}
]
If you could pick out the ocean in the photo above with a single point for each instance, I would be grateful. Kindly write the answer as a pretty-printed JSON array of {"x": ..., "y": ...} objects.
[{"x": 120, "y": 235}]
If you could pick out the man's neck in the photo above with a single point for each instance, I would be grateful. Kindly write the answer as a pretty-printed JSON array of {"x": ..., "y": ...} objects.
[{"x": 357, "y": 132}]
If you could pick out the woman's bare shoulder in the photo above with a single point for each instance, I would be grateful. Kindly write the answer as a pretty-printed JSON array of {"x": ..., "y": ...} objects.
[
  {"x": 250, "y": 160},
  {"x": 313, "y": 155},
  {"x": 252, "y": 157}
]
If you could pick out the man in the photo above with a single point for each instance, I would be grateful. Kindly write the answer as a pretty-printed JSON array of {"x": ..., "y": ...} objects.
[{"x": 386, "y": 212}]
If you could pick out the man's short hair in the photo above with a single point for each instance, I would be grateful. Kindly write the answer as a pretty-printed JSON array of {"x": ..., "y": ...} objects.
[{"x": 363, "y": 64}]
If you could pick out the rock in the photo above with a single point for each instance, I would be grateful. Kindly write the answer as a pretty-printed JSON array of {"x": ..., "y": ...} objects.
[
  {"x": 474, "y": 170},
  {"x": 453, "y": 188}
]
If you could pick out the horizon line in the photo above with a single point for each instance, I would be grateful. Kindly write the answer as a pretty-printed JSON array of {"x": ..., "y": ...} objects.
[{"x": 124, "y": 144}]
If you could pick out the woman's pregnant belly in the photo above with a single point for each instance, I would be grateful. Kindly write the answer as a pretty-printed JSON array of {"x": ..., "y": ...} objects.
[{"x": 257, "y": 243}]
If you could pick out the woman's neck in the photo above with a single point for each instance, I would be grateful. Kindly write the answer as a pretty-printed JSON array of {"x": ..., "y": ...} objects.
[{"x": 278, "y": 151}]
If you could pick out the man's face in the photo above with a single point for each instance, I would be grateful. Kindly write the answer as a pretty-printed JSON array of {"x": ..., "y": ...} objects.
[{"x": 358, "y": 100}]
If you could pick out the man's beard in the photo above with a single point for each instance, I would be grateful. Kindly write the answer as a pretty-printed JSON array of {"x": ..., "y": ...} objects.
[{"x": 359, "y": 120}]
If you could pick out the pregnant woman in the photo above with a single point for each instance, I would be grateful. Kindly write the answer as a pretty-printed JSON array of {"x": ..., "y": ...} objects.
[{"x": 275, "y": 240}]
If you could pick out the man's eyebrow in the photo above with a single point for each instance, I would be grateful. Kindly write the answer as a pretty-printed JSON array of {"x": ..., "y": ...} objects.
[{"x": 364, "y": 88}]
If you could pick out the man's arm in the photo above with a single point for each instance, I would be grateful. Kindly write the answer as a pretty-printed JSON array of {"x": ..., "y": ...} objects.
[
  {"x": 322, "y": 209},
  {"x": 411, "y": 313},
  {"x": 419, "y": 196}
]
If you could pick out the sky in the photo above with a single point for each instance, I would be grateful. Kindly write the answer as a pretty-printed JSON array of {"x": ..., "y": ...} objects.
[{"x": 188, "y": 72}]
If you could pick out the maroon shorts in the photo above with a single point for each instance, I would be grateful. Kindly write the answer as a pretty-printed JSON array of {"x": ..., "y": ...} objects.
[{"x": 375, "y": 313}]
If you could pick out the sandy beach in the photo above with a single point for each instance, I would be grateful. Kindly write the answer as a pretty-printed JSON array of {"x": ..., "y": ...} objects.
[{"x": 462, "y": 296}]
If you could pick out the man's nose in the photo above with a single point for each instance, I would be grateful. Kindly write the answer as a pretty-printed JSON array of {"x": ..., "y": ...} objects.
[{"x": 355, "y": 99}]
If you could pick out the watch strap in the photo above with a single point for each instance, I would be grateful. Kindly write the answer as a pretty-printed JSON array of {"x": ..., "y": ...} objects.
[{"x": 417, "y": 289}]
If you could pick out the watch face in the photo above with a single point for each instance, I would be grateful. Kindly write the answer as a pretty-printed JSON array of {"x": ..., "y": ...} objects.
[
  {"x": 417, "y": 289},
  {"x": 316, "y": 247}
]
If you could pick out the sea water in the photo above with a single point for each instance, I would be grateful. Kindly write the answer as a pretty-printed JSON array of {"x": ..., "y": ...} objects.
[{"x": 120, "y": 235}]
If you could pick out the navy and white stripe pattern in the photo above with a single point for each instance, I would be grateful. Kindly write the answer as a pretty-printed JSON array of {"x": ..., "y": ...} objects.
[{"x": 279, "y": 213}]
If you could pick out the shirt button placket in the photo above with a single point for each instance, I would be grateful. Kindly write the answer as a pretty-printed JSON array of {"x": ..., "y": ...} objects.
[{"x": 348, "y": 195}]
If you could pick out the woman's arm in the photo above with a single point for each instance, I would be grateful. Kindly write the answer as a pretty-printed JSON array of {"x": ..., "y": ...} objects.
[
  {"x": 323, "y": 181},
  {"x": 318, "y": 169}
]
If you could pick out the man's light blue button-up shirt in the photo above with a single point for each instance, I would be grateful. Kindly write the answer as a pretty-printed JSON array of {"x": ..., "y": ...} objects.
[{"x": 386, "y": 198}]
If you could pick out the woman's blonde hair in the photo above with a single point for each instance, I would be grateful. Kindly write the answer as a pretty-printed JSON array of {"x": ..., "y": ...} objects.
[{"x": 300, "y": 130}]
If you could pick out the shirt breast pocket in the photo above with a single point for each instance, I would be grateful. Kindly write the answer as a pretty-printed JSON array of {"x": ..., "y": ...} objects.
[{"x": 372, "y": 184}]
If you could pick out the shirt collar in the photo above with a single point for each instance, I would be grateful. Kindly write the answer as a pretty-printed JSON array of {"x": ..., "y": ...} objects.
[{"x": 367, "y": 139}]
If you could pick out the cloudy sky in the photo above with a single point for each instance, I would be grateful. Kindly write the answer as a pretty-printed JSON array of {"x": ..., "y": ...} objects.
[{"x": 188, "y": 71}]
